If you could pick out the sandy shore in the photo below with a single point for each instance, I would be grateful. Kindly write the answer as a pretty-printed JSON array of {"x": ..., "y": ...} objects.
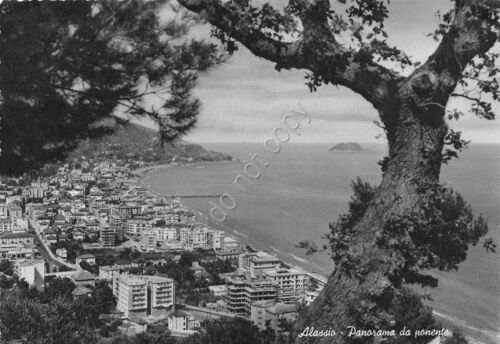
[{"x": 148, "y": 169}]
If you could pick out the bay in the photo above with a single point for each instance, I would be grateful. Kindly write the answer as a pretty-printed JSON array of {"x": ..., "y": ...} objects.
[{"x": 306, "y": 186}]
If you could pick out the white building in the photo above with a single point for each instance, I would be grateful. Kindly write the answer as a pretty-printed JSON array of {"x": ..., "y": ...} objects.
[
  {"x": 32, "y": 271},
  {"x": 292, "y": 283},
  {"x": 143, "y": 295},
  {"x": 148, "y": 240},
  {"x": 194, "y": 237},
  {"x": 216, "y": 240},
  {"x": 109, "y": 272},
  {"x": 164, "y": 234},
  {"x": 264, "y": 312}
]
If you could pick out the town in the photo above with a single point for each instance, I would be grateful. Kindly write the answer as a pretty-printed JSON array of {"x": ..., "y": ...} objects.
[{"x": 91, "y": 224}]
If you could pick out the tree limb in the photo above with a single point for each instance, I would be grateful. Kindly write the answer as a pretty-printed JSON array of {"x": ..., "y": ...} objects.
[
  {"x": 471, "y": 33},
  {"x": 316, "y": 50}
]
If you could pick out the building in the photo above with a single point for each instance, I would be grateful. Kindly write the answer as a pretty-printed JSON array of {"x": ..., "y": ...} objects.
[
  {"x": 258, "y": 262},
  {"x": 232, "y": 255},
  {"x": 164, "y": 234},
  {"x": 292, "y": 283},
  {"x": 182, "y": 321},
  {"x": 32, "y": 271},
  {"x": 62, "y": 253},
  {"x": 196, "y": 237},
  {"x": 230, "y": 243},
  {"x": 139, "y": 296},
  {"x": 83, "y": 278},
  {"x": 109, "y": 272},
  {"x": 243, "y": 290},
  {"x": 218, "y": 290},
  {"x": 81, "y": 291},
  {"x": 9, "y": 239},
  {"x": 216, "y": 240},
  {"x": 178, "y": 321},
  {"x": 272, "y": 313},
  {"x": 5, "y": 225},
  {"x": 107, "y": 236},
  {"x": 148, "y": 240},
  {"x": 15, "y": 212},
  {"x": 89, "y": 258},
  {"x": 4, "y": 213},
  {"x": 137, "y": 226}
]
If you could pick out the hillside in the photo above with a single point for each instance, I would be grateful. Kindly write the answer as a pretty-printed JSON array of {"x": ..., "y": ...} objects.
[{"x": 136, "y": 142}]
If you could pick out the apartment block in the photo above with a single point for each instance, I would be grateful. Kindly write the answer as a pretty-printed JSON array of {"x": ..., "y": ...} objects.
[
  {"x": 107, "y": 236},
  {"x": 243, "y": 291},
  {"x": 139, "y": 296},
  {"x": 292, "y": 283},
  {"x": 32, "y": 271},
  {"x": 148, "y": 240}
]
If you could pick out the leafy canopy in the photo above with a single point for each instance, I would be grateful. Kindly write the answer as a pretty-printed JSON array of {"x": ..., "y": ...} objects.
[{"x": 69, "y": 70}]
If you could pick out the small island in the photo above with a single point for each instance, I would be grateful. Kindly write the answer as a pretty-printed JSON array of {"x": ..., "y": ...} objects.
[{"x": 347, "y": 147}]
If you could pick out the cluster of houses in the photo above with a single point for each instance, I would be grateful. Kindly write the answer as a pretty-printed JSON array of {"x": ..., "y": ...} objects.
[{"x": 102, "y": 206}]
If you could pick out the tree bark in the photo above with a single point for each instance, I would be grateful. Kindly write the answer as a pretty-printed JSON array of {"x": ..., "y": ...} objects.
[{"x": 415, "y": 136}]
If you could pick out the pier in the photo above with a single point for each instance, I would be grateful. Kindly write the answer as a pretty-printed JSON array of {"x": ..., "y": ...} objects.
[{"x": 195, "y": 196}]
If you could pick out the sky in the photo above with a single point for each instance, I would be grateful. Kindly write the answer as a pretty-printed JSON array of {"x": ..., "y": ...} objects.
[{"x": 244, "y": 99}]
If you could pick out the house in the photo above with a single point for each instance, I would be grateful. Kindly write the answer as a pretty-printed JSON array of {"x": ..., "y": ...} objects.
[
  {"x": 51, "y": 239},
  {"x": 129, "y": 328},
  {"x": 182, "y": 321},
  {"x": 77, "y": 235},
  {"x": 83, "y": 278},
  {"x": 81, "y": 291},
  {"x": 218, "y": 290},
  {"x": 197, "y": 269},
  {"x": 272, "y": 313},
  {"x": 89, "y": 258},
  {"x": 62, "y": 253}
]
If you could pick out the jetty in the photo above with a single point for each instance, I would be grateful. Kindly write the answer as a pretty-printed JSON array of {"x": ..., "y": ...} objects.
[{"x": 195, "y": 196}]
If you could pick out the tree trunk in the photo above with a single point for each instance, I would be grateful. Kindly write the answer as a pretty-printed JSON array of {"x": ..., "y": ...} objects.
[{"x": 415, "y": 135}]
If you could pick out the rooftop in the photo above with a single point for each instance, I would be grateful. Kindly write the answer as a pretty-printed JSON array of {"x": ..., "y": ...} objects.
[{"x": 82, "y": 275}]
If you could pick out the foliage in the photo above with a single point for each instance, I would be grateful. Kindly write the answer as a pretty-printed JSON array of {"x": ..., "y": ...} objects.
[
  {"x": 397, "y": 310},
  {"x": 73, "y": 248},
  {"x": 66, "y": 67},
  {"x": 57, "y": 287},
  {"x": 456, "y": 338},
  {"x": 133, "y": 142},
  {"x": 53, "y": 315},
  {"x": 343, "y": 231},
  {"x": 7, "y": 267},
  {"x": 224, "y": 331},
  {"x": 57, "y": 322},
  {"x": 435, "y": 236}
]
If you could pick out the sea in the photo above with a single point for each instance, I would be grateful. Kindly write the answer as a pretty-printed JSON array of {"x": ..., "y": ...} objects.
[{"x": 276, "y": 200}]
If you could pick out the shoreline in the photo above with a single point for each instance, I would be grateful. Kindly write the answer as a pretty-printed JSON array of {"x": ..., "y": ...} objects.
[
  {"x": 483, "y": 337},
  {"x": 145, "y": 171}
]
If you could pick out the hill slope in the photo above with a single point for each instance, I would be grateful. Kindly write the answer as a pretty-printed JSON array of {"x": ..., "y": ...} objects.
[{"x": 136, "y": 142}]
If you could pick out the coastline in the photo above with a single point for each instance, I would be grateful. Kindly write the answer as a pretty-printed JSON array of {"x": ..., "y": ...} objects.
[
  {"x": 143, "y": 172},
  {"x": 475, "y": 334}
]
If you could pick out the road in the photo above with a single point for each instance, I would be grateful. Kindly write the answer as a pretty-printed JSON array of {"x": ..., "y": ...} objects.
[{"x": 45, "y": 250}]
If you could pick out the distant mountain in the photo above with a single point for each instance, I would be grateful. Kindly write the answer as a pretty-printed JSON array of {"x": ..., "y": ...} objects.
[
  {"x": 135, "y": 142},
  {"x": 347, "y": 147}
]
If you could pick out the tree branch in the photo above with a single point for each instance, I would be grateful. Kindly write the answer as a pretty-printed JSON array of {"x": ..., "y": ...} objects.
[
  {"x": 316, "y": 50},
  {"x": 472, "y": 32}
]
